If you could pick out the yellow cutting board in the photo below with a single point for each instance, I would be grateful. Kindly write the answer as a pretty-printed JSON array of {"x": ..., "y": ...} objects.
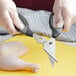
[{"x": 66, "y": 55}]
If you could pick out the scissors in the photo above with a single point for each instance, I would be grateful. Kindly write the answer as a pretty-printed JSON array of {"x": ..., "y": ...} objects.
[{"x": 49, "y": 46}]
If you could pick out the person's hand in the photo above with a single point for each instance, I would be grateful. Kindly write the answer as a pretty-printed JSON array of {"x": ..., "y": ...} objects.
[
  {"x": 9, "y": 16},
  {"x": 64, "y": 13}
]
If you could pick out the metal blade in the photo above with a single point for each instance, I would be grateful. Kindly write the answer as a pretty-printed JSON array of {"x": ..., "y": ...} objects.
[
  {"x": 52, "y": 61},
  {"x": 50, "y": 48}
]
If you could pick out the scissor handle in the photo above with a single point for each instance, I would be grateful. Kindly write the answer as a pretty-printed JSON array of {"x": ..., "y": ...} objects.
[
  {"x": 26, "y": 30},
  {"x": 55, "y": 33}
]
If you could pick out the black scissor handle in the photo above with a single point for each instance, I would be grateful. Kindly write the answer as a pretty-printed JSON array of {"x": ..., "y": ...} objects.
[
  {"x": 55, "y": 32},
  {"x": 26, "y": 30}
]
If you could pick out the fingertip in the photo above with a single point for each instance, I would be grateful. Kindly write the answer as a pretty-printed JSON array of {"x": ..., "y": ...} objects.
[
  {"x": 67, "y": 25},
  {"x": 14, "y": 32},
  {"x": 66, "y": 28},
  {"x": 20, "y": 25},
  {"x": 59, "y": 25}
]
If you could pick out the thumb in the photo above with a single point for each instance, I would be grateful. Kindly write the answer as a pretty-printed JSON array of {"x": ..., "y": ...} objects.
[
  {"x": 58, "y": 20},
  {"x": 67, "y": 25},
  {"x": 67, "y": 20},
  {"x": 58, "y": 14},
  {"x": 16, "y": 20},
  {"x": 8, "y": 24},
  {"x": 14, "y": 15}
]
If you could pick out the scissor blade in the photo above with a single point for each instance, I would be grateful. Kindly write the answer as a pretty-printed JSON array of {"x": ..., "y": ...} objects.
[
  {"x": 51, "y": 54},
  {"x": 39, "y": 38},
  {"x": 52, "y": 61},
  {"x": 50, "y": 48}
]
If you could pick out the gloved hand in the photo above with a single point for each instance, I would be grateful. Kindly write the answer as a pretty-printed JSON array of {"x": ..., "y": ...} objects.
[
  {"x": 64, "y": 13},
  {"x": 9, "y": 16}
]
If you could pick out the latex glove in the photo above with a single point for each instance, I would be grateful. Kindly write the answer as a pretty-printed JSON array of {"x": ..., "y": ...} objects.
[
  {"x": 9, "y": 16},
  {"x": 64, "y": 13}
]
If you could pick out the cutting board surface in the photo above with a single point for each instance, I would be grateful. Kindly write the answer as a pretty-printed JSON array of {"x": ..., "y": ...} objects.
[{"x": 66, "y": 55}]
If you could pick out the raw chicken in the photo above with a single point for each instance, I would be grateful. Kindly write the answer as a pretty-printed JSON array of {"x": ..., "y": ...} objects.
[
  {"x": 16, "y": 48},
  {"x": 9, "y": 53}
]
